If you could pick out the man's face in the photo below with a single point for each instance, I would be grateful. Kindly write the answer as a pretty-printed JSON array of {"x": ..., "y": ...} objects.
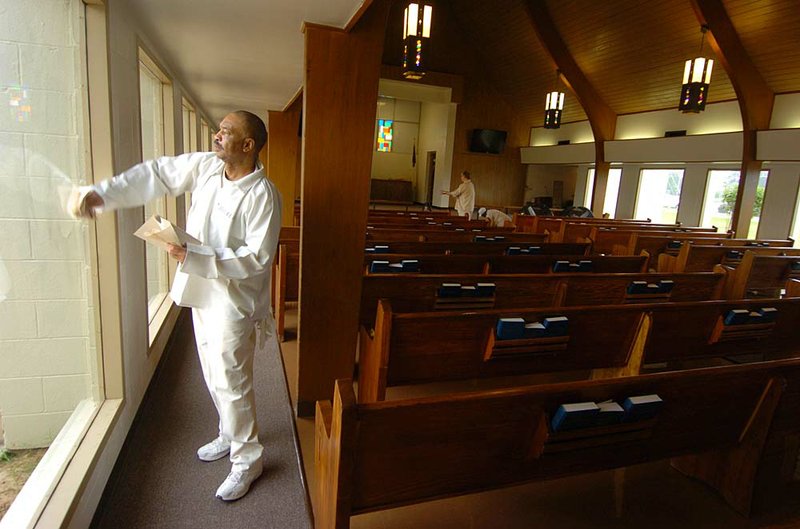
[
  {"x": 463, "y": 178},
  {"x": 229, "y": 140}
]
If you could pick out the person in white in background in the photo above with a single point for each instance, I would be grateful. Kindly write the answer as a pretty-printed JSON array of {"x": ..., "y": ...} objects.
[
  {"x": 465, "y": 195},
  {"x": 236, "y": 214},
  {"x": 495, "y": 217}
]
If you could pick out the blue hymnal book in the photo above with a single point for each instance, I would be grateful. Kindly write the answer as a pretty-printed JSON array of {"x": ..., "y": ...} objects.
[
  {"x": 379, "y": 267},
  {"x": 381, "y": 248},
  {"x": 737, "y": 317},
  {"x": 513, "y": 250},
  {"x": 369, "y": 249},
  {"x": 476, "y": 229},
  {"x": 610, "y": 413},
  {"x": 674, "y": 244},
  {"x": 499, "y": 238},
  {"x": 489, "y": 239},
  {"x": 561, "y": 266},
  {"x": 584, "y": 266},
  {"x": 642, "y": 407},
  {"x": 556, "y": 325},
  {"x": 410, "y": 265},
  {"x": 534, "y": 249},
  {"x": 460, "y": 229},
  {"x": 734, "y": 254},
  {"x": 637, "y": 287},
  {"x": 574, "y": 416},
  {"x": 479, "y": 238},
  {"x": 524, "y": 251},
  {"x": 486, "y": 290},
  {"x": 447, "y": 223},
  {"x": 510, "y": 329},
  {"x": 796, "y": 265},
  {"x": 652, "y": 288},
  {"x": 395, "y": 267},
  {"x": 535, "y": 330},
  {"x": 665, "y": 286},
  {"x": 768, "y": 313},
  {"x": 450, "y": 290}
]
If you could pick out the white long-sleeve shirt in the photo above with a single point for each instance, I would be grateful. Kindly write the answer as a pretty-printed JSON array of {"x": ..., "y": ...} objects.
[
  {"x": 237, "y": 222},
  {"x": 465, "y": 198}
]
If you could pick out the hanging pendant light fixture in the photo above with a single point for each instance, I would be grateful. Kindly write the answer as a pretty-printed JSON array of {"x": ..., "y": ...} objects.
[
  {"x": 696, "y": 78},
  {"x": 553, "y": 106},
  {"x": 416, "y": 32}
]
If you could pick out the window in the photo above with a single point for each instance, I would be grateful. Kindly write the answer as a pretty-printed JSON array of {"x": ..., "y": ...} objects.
[
  {"x": 153, "y": 93},
  {"x": 189, "y": 127},
  {"x": 612, "y": 192},
  {"x": 588, "y": 195},
  {"x": 720, "y": 199},
  {"x": 385, "y": 135},
  {"x": 205, "y": 136},
  {"x": 50, "y": 373},
  {"x": 659, "y": 195},
  {"x": 760, "y": 190}
]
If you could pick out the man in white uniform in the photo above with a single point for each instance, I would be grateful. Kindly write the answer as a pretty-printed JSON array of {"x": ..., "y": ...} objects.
[
  {"x": 465, "y": 195},
  {"x": 235, "y": 213},
  {"x": 495, "y": 217}
]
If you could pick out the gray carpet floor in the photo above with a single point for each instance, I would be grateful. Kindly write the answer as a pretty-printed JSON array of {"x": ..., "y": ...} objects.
[{"x": 158, "y": 482}]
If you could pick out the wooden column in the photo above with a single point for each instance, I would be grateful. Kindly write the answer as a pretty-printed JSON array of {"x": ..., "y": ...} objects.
[
  {"x": 340, "y": 101},
  {"x": 755, "y": 101},
  {"x": 283, "y": 148}
]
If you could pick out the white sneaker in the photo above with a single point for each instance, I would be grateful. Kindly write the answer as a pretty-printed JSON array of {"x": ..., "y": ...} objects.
[
  {"x": 216, "y": 449},
  {"x": 238, "y": 482}
]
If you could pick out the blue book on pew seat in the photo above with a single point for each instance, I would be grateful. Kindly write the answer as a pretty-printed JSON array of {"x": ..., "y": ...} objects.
[
  {"x": 796, "y": 266},
  {"x": 574, "y": 267},
  {"x": 737, "y": 317},
  {"x": 410, "y": 265},
  {"x": 755, "y": 317},
  {"x": 379, "y": 267},
  {"x": 610, "y": 413},
  {"x": 637, "y": 287},
  {"x": 556, "y": 325},
  {"x": 561, "y": 266},
  {"x": 476, "y": 229},
  {"x": 395, "y": 268},
  {"x": 485, "y": 290},
  {"x": 574, "y": 416},
  {"x": 534, "y": 249},
  {"x": 447, "y": 223},
  {"x": 381, "y": 248},
  {"x": 769, "y": 314},
  {"x": 431, "y": 224},
  {"x": 513, "y": 250},
  {"x": 674, "y": 244},
  {"x": 469, "y": 291},
  {"x": 369, "y": 249},
  {"x": 524, "y": 251},
  {"x": 652, "y": 288},
  {"x": 665, "y": 286},
  {"x": 479, "y": 238},
  {"x": 642, "y": 407},
  {"x": 535, "y": 330},
  {"x": 450, "y": 290},
  {"x": 490, "y": 239},
  {"x": 460, "y": 229},
  {"x": 585, "y": 266},
  {"x": 510, "y": 329},
  {"x": 734, "y": 254}
]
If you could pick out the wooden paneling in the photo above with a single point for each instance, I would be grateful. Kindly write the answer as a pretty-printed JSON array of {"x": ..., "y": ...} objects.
[
  {"x": 340, "y": 98},
  {"x": 282, "y": 164}
]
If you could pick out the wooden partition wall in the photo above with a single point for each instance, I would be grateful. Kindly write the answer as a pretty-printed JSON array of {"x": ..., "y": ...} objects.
[
  {"x": 342, "y": 70},
  {"x": 284, "y": 150}
]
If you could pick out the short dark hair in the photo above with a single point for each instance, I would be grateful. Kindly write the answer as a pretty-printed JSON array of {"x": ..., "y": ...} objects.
[
  {"x": 254, "y": 128},
  {"x": 466, "y": 175}
]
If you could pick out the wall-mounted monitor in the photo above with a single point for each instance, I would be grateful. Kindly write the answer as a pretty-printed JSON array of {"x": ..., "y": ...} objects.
[{"x": 488, "y": 141}]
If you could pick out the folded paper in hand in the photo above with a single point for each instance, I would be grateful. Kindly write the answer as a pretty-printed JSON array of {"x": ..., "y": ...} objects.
[{"x": 160, "y": 231}]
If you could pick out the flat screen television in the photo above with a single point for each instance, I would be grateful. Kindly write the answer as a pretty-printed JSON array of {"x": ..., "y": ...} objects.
[{"x": 487, "y": 140}]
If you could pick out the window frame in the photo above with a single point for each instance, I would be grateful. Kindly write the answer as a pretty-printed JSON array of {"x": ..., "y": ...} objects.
[{"x": 639, "y": 188}]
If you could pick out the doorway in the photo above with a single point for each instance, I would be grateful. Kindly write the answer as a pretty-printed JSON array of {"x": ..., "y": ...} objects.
[{"x": 430, "y": 172}]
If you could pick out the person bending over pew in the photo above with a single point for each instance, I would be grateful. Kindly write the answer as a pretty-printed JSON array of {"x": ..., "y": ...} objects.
[
  {"x": 236, "y": 215},
  {"x": 495, "y": 217},
  {"x": 465, "y": 196}
]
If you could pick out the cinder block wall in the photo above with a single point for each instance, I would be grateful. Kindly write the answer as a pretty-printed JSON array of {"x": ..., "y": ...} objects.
[{"x": 45, "y": 327}]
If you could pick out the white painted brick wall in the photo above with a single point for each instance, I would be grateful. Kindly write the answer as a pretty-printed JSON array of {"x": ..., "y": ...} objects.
[{"x": 46, "y": 332}]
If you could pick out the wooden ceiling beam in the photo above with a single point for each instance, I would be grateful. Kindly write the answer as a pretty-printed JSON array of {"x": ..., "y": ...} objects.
[
  {"x": 755, "y": 97},
  {"x": 602, "y": 118}
]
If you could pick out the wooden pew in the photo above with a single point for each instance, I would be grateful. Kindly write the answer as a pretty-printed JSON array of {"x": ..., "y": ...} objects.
[
  {"x": 702, "y": 258},
  {"x": 445, "y": 235},
  {"x": 759, "y": 276},
  {"x": 478, "y": 248},
  {"x": 720, "y": 422},
  {"x": 413, "y": 348},
  {"x": 618, "y": 242},
  {"x": 510, "y": 264},
  {"x": 655, "y": 245},
  {"x": 419, "y": 293}
]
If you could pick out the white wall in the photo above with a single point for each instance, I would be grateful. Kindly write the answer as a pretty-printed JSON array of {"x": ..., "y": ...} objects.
[
  {"x": 540, "y": 178},
  {"x": 786, "y": 112},
  {"x": 138, "y": 367},
  {"x": 579, "y": 132},
  {"x": 780, "y": 200},
  {"x": 716, "y": 118},
  {"x": 433, "y": 136}
]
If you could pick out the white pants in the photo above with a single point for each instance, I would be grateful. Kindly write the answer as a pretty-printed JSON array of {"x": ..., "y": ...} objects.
[{"x": 226, "y": 351}]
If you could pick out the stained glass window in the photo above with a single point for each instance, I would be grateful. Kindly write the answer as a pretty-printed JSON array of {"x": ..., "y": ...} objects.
[{"x": 385, "y": 135}]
